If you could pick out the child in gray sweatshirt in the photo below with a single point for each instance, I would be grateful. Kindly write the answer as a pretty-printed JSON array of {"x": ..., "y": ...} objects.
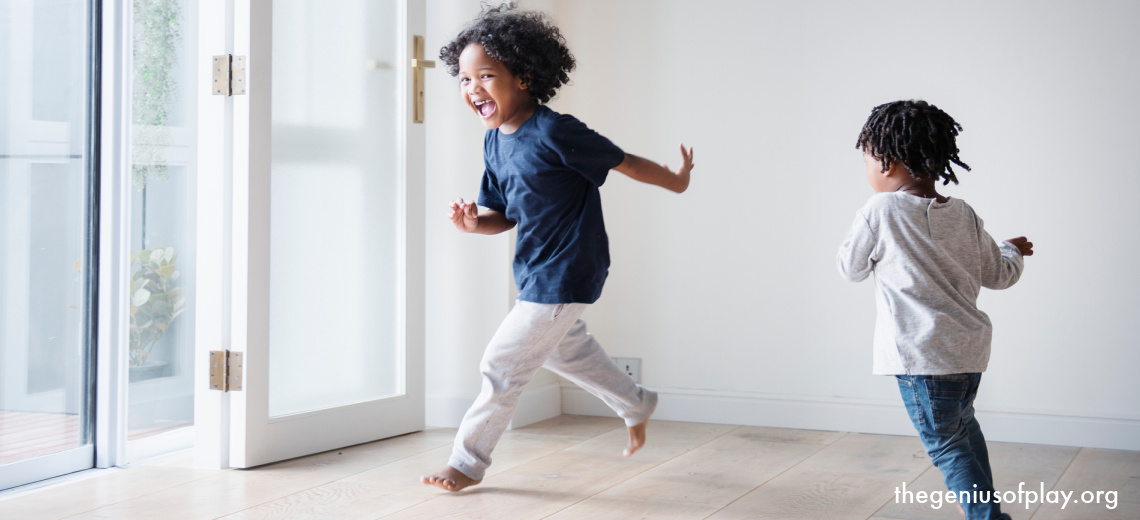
[{"x": 931, "y": 256}]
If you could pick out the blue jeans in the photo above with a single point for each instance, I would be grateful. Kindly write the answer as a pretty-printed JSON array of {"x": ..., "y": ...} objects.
[{"x": 942, "y": 410}]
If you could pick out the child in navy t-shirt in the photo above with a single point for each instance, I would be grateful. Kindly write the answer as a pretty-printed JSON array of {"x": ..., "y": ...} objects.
[{"x": 543, "y": 171}]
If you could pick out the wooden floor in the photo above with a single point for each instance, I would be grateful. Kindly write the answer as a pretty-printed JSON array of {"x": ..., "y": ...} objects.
[
  {"x": 571, "y": 467},
  {"x": 25, "y": 435}
]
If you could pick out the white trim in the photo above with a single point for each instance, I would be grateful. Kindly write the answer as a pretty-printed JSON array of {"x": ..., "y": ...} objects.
[
  {"x": 211, "y": 324},
  {"x": 161, "y": 444},
  {"x": 248, "y": 256},
  {"x": 535, "y": 404},
  {"x": 114, "y": 239},
  {"x": 865, "y": 416},
  {"x": 1064, "y": 430},
  {"x": 48, "y": 466},
  {"x": 61, "y": 480}
]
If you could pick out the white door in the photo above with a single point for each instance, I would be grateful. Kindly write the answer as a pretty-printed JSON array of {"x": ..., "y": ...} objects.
[{"x": 310, "y": 229}]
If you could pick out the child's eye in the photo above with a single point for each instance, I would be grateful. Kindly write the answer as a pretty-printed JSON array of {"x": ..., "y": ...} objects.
[{"x": 485, "y": 76}]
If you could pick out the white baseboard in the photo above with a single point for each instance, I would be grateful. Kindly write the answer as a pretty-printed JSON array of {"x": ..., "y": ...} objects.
[
  {"x": 864, "y": 416},
  {"x": 535, "y": 404},
  {"x": 160, "y": 445}
]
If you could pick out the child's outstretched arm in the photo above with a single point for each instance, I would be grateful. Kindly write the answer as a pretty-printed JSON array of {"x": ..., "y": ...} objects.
[
  {"x": 649, "y": 172},
  {"x": 466, "y": 218},
  {"x": 1002, "y": 264}
]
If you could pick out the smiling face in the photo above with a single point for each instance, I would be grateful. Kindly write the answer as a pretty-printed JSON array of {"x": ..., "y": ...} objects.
[{"x": 499, "y": 98}]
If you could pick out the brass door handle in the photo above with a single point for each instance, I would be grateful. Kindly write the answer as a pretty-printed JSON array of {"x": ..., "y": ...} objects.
[{"x": 418, "y": 66}]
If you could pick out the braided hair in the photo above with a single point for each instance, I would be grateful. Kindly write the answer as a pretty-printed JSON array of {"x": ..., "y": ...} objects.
[
  {"x": 916, "y": 134},
  {"x": 526, "y": 42}
]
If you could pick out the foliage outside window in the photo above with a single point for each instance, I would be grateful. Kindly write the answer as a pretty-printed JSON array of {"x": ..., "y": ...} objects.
[
  {"x": 158, "y": 34},
  {"x": 156, "y": 300},
  {"x": 156, "y": 297}
]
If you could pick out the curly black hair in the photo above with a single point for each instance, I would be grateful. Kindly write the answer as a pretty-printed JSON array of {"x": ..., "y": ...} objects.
[
  {"x": 530, "y": 46},
  {"x": 916, "y": 134}
]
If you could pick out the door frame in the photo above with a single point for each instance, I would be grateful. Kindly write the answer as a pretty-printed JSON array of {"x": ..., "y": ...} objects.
[{"x": 233, "y": 429}]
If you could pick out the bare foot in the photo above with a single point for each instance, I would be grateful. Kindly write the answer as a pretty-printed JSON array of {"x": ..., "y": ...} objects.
[
  {"x": 452, "y": 479},
  {"x": 637, "y": 435},
  {"x": 636, "y": 438}
]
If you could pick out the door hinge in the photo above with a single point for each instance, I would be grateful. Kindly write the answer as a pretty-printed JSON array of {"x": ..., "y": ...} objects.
[
  {"x": 225, "y": 370},
  {"x": 229, "y": 75}
]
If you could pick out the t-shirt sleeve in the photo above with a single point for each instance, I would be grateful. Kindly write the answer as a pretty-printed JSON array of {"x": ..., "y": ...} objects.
[
  {"x": 584, "y": 150},
  {"x": 491, "y": 193}
]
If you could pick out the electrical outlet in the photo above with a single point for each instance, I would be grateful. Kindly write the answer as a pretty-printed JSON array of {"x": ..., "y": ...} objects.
[{"x": 631, "y": 366}]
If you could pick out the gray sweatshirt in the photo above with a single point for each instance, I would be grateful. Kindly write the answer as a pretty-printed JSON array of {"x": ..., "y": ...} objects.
[{"x": 930, "y": 261}]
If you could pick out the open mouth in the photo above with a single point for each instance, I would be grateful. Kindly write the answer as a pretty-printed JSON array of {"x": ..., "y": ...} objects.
[{"x": 485, "y": 107}]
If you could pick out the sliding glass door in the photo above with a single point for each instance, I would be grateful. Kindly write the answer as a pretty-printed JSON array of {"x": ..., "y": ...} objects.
[
  {"x": 141, "y": 213},
  {"x": 45, "y": 252}
]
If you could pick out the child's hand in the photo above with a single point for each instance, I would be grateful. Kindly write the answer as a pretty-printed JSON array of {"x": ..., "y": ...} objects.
[
  {"x": 643, "y": 170},
  {"x": 464, "y": 215},
  {"x": 1023, "y": 244},
  {"x": 686, "y": 167}
]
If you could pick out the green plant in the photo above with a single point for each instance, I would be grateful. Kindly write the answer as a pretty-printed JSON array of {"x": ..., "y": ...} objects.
[
  {"x": 157, "y": 37},
  {"x": 156, "y": 299}
]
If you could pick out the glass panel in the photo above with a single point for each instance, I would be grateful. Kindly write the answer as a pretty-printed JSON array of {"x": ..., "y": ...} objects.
[
  {"x": 163, "y": 143},
  {"x": 43, "y": 200},
  {"x": 335, "y": 195}
]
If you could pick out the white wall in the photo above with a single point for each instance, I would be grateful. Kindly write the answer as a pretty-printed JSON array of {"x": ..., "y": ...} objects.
[{"x": 729, "y": 292}]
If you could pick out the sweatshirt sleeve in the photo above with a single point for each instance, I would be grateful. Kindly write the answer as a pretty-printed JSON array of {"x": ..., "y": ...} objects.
[
  {"x": 855, "y": 259},
  {"x": 1001, "y": 265}
]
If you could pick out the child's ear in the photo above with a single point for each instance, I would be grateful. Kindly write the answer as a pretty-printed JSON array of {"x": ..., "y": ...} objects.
[{"x": 524, "y": 81}]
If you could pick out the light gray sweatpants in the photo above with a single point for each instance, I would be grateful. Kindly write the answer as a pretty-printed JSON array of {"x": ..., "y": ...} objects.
[{"x": 537, "y": 335}]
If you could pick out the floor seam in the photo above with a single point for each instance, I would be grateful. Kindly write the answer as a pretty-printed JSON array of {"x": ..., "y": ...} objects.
[
  {"x": 635, "y": 475},
  {"x": 773, "y": 477}
]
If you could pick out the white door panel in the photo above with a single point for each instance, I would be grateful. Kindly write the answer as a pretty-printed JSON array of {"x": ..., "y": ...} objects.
[{"x": 316, "y": 215}]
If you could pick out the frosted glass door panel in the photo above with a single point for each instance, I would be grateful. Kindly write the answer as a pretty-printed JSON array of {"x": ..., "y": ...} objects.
[{"x": 335, "y": 196}]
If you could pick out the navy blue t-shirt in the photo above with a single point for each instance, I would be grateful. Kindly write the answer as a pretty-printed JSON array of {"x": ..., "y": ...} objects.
[{"x": 545, "y": 178}]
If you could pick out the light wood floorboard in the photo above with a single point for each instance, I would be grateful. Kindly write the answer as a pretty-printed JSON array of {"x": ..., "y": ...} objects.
[
  {"x": 549, "y": 484},
  {"x": 236, "y": 490},
  {"x": 25, "y": 435},
  {"x": 395, "y": 486},
  {"x": 704, "y": 480},
  {"x": 1096, "y": 470},
  {"x": 571, "y": 468},
  {"x": 847, "y": 479},
  {"x": 1013, "y": 463}
]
